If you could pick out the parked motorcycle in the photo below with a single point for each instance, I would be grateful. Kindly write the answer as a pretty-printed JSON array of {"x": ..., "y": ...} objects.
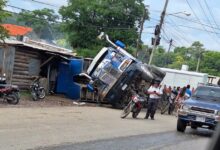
[
  {"x": 135, "y": 105},
  {"x": 37, "y": 92},
  {"x": 9, "y": 93}
]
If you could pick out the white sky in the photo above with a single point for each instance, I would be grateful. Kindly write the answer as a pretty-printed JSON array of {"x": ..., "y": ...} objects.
[{"x": 173, "y": 27}]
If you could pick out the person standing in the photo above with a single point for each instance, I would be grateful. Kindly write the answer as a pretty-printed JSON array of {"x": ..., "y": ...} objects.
[
  {"x": 154, "y": 96},
  {"x": 188, "y": 91}
]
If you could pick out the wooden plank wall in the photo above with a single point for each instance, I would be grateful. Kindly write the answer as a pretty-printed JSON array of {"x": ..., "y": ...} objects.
[
  {"x": 21, "y": 75},
  {"x": 7, "y": 62},
  {"x": 1, "y": 60}
]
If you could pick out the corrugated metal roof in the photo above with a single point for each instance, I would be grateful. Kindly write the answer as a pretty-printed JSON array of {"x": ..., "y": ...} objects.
[
  {"x": 15, "y": 30},
  {"x": 52, "y": 49}
]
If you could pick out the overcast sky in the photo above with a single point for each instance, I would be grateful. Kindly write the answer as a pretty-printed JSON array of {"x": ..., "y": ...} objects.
[{"x": 182, "y": 31}]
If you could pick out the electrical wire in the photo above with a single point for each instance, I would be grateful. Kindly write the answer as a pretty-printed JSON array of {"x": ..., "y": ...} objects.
[
  {"x": 204, "y": 12},
  {"x": 211, "y": 13},
  {"x": 87, "y": 26},
  {"x": 177, "y": 29},
  {"x": 199, "y": 20},
  {"x": 44, "y": 3}
]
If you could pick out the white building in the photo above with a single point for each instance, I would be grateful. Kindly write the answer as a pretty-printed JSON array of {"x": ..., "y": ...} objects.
[{"x": 183, "y": 77}]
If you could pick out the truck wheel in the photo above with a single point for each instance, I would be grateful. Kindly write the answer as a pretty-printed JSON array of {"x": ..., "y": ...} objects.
[
  {"x": 194, "y": 127},
  {"x": 181, "y": 126},
  {"x": 158, "y": 73}
]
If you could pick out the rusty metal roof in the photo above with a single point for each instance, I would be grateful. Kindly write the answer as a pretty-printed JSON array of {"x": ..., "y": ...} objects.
[{"x": 40, "y": 46}]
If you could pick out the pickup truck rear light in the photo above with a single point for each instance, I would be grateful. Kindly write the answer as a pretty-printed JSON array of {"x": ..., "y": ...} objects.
[
  {"x": 182, "y": 112},
  {"x": 217, "y": 118}
]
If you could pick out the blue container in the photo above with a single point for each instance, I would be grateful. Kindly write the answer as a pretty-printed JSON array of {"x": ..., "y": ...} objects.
[
  {"x": 73, "y": 89},
  {"x": 62, "y": 78}
]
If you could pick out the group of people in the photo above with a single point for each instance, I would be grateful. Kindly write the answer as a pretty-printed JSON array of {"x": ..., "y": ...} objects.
[{"x": 156, "y": 92}]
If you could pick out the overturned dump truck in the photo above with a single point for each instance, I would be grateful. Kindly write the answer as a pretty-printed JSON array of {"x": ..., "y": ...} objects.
[{"x": 114, "y": 74}]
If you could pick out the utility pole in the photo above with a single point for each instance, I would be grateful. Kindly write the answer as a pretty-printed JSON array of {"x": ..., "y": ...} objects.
[
  {"x": 199, "y": 60},
  {"x": 141, "y": 30},
  {"x": 158, "y": 35},
  {"x": 170, "y": 45}
]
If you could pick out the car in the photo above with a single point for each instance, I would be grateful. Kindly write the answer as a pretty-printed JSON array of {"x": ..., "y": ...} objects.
[{"x": 201, "y": 110}]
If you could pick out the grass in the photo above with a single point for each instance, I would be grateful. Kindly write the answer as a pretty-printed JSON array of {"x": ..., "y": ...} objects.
[{"x": 25, "y": 93}]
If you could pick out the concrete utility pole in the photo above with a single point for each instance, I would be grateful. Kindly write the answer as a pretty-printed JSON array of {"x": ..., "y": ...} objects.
[
  {"x": 158, "y": 36},
  {"x": 141, "y": 30},
  {"x": 199, "y": 60},
  {"x": 170, "y": 45}
]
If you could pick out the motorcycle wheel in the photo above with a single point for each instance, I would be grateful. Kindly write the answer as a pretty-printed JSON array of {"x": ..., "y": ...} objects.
[
  {"x": 34, "y": 96},
  {"x": 135, "y": 114},
  {"x": 18, "y": 95},
  {"x": 12, "y": 99},
  {"x": 41, "y": 93},
  {"x": 126, "y": 111},
  {"x": 171, "y": 109}
]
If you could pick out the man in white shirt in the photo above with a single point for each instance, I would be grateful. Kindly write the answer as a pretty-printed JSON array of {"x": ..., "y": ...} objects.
[{"x": 154, "y": 95}]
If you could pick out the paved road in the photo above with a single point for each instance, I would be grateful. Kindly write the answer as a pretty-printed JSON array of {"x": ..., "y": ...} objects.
[
  {"x": 91, "y": 128},
  {"x": 164, "y": 141}
]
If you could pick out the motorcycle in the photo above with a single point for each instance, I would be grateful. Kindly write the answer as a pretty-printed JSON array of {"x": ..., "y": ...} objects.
[
  {"x": 37, "y": 92},
  {"x": 170, "y": 105},
  {"x": 135, "y": 105},
  {"x": 9, "y": 93}
]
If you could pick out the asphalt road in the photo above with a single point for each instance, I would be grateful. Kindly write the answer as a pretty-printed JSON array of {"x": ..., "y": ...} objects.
[
  {"x": 171, "y": 140},
  {"x": 83, "y": 128}
]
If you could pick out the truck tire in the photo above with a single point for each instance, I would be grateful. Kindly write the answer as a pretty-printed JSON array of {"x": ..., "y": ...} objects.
[
  {"x": 194, "y": 127},
  {"x": 181, "y": 126},
  {"x": 157, "y": 73}
]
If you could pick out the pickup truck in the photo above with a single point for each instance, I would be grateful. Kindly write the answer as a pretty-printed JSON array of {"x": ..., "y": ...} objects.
[{"x": 201, "y": 110}]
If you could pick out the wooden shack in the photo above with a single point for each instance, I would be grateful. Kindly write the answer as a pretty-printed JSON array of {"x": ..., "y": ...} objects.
[{"x": 22, "y": 61}]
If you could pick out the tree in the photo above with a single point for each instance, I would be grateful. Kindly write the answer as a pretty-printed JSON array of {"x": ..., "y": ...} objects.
[
  {"x": 197, "y": 49},
  {"x": 84, "y": 20},
  {"x": 4, "y": 14},
  {"x": 211, "y": 63},
  {"x": 42, "y": 21}
]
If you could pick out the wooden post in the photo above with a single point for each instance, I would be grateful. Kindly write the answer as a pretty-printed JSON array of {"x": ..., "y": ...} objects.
[
  {"x": 48, "y": 77},
  {"x": 49, "y": 59}
]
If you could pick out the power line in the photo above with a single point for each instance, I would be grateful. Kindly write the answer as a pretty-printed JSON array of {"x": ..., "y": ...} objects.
[
  {"x": 204, "y": 12},
  {"x": 173, "y": 36},
  {"x": 88, "y": 26},
  {"x": 198, "y": 29},
  {"x": 194, "y": 21},
  {"x": 199, "y": 19},
  {"x": 210, "y": 11},
  {"x": 177, "y": 29},
  {"x": 44, "y": 3},
  {"x": 178, "y": 38}
]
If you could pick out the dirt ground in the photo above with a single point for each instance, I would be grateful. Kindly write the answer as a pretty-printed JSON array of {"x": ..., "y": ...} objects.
[{"x": 49, "y": 101}]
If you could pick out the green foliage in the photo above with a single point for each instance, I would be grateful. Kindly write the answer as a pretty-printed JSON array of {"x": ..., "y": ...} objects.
[
  {"x": 3, "y": 15},
  {"x": 88, "y": 53},
  {"x": 42, "y": 21},
  {"x": 211, "y": 63},
  {"x": 84, "y": 20},
  {"x": 210, "y": 60}
]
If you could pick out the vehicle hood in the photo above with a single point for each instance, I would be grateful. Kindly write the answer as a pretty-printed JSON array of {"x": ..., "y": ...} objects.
[{"x": 210, "y": 104}]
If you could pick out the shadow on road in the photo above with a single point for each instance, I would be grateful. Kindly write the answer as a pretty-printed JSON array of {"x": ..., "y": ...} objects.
[{"x": 200, "y": 132}]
